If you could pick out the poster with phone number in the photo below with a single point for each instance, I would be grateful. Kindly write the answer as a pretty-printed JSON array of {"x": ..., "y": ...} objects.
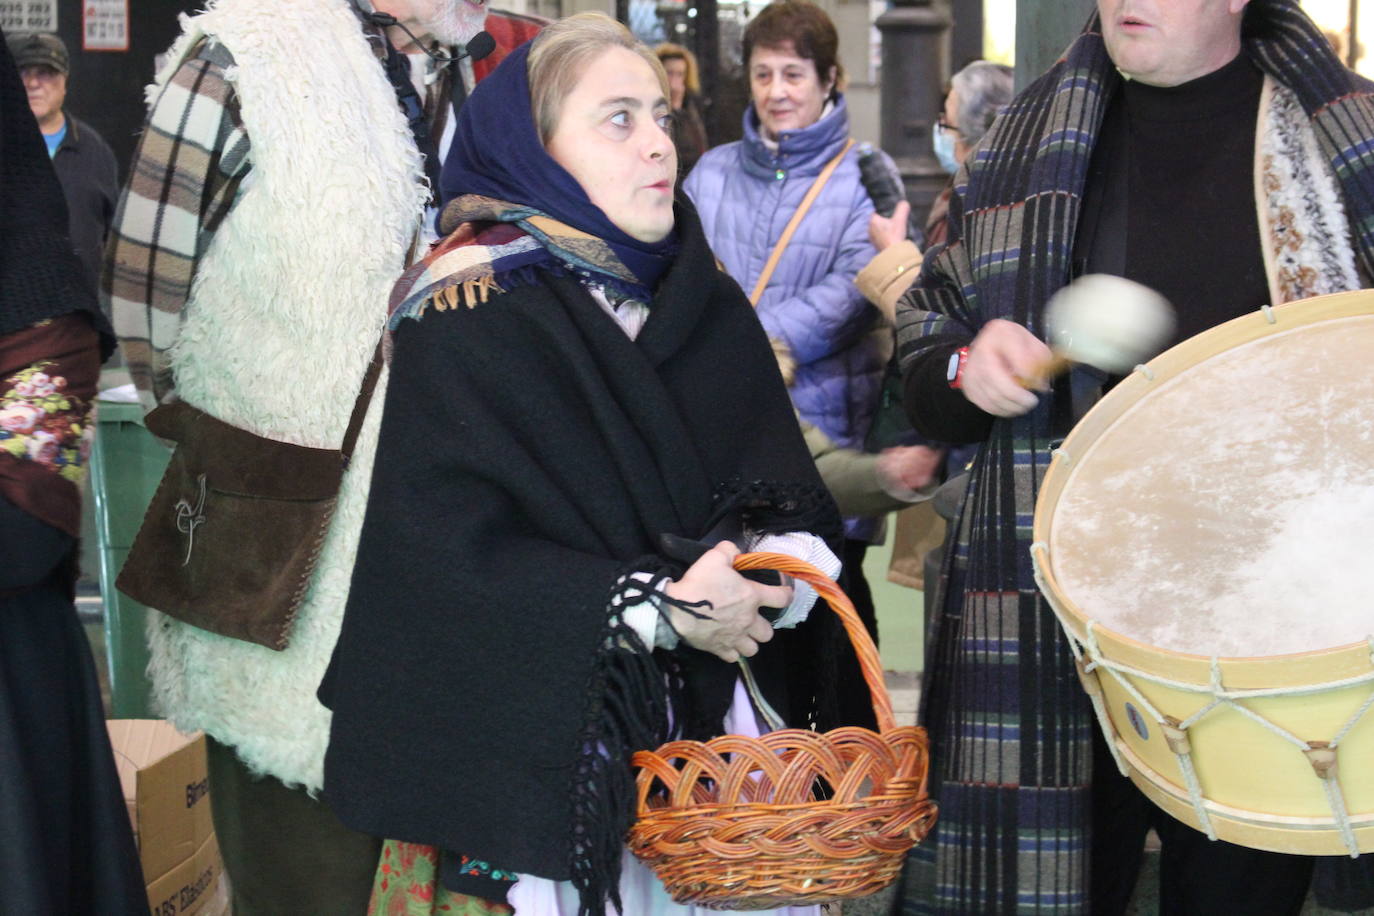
[
  {"x": 28, "y": 16},
  {"x": 105, "y": 25}
]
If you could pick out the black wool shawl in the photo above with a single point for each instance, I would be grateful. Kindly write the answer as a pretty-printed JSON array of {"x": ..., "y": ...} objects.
[{"x": 531, "y": 453}]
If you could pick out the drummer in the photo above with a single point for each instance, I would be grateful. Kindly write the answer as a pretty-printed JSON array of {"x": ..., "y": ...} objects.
[{"x": 1135, "y": 155}]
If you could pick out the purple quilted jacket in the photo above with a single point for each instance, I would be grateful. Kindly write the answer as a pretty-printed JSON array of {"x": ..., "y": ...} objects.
[{"x": 746, "y": 193}]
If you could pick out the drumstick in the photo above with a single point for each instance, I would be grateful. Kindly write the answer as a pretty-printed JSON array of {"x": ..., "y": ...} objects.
[{"x": 1104, "y": 321}]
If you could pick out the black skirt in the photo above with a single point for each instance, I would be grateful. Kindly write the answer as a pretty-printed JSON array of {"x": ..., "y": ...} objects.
[{"x": 66, "y": 845}]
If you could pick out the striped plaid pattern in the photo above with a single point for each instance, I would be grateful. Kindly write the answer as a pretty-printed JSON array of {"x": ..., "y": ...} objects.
[
  {"x": 190, "y": 161},
  {"x": 1009, "y": 724},
  {"x": 492, "y": 246}
]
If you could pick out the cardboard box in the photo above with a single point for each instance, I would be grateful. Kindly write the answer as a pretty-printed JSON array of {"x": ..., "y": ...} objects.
[{"x": 166, "y": 788}]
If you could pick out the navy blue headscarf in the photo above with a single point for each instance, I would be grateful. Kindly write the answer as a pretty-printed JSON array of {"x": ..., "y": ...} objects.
[{"x": 497, "y": 153}]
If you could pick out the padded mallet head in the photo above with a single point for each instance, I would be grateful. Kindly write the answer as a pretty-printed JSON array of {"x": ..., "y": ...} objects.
[{"x": 1108, "y": 322}]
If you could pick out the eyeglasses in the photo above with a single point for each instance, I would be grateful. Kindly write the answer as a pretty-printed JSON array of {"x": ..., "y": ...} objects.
[{"x": 945, "y": 125}]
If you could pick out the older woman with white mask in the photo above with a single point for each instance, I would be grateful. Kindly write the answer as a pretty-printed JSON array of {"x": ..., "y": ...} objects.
[
  {"x": 977, "y": 94},
  {"x": 579, "y": 405},
  {"x": 796, "y": 139}
]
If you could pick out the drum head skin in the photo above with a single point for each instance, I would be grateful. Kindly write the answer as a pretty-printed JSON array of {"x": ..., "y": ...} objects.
[{"x": 1230, "y": 510}]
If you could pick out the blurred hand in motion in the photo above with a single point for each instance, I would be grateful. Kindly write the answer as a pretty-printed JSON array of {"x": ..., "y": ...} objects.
[
  {"x": 909, "y": 466},
  {"x": 1000, "y": 357}
]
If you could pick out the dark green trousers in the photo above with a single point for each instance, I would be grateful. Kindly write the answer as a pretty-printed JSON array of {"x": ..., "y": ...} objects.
[{"x": 284, "y": 851}]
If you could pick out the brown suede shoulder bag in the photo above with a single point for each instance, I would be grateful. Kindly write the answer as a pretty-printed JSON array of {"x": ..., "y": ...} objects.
[{"x": 230, "y": 540}]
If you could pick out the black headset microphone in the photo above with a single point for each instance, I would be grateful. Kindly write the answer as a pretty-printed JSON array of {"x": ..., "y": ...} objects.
[{"x": 478, "y": 47}]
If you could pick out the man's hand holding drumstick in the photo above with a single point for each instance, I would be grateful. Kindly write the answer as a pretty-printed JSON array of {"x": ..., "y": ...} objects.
[
  {"x": 1000, "y": 359},
  {"x": 1101, "y": 320}
]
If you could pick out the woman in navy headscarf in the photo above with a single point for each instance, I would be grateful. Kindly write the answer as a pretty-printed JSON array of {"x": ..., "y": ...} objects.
[{"x": 579, "y": 404}]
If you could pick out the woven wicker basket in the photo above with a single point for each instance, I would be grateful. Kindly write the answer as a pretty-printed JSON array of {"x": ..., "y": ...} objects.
[{"x": 735, "y": 823}]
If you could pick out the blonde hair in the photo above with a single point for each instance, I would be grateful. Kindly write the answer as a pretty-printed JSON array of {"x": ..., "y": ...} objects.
[
  {"x": 563, "y": 50},
  {"x": 668, "y": 51}
]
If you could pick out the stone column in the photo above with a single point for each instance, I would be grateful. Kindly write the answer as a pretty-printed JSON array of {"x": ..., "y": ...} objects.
[
  {"x": 1044, "y": 29},
  {"x": 706, "y": 36},
  {"x": 916, "y": 65},
  {"x": 966, "y": 44}
]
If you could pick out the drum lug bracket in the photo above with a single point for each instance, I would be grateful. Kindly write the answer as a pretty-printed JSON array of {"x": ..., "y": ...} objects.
[
  {"x": 1322, "y": 756},
  {"x": 1088, "y": 678},
  {"x": 1176, "y": 737}
]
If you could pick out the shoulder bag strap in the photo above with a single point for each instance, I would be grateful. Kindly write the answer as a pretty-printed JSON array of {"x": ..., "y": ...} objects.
[
  {"x": 792, "y": 224},
  {"x": 374, "y": 369},
  {"x": 355, "y": 422}
]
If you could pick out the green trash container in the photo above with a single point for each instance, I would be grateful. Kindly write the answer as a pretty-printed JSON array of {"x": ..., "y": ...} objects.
[{"x": 127, "y": 462}]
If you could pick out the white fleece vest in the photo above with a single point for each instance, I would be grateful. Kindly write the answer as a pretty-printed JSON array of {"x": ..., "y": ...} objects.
[{"x": 285, "y": 310}]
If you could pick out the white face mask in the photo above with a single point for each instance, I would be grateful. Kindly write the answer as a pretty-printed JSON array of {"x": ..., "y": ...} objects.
[{"x": 943, "y": 142}]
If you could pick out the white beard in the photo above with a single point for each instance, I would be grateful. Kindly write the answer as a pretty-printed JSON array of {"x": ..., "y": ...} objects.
[{"x": 454, "y": 22}]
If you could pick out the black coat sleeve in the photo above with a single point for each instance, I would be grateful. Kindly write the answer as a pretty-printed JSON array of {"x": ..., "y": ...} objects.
[{"x": 936, "y": 410}]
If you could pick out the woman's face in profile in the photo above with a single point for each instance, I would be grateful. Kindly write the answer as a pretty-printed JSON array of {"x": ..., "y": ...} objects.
[
  {"x": 788, "y": 92},
  {"x": 612, "y": 136}
]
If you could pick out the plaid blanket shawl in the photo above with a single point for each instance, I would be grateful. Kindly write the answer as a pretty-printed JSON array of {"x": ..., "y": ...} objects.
[
  {"x": 1010, "y": 726},
  {"x": 492, "y": 246}
]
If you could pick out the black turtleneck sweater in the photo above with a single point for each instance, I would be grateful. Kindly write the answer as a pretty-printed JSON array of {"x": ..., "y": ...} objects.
[
  {"x": 1169, "y": 202},
  {"x": 1185, "y": 158}
]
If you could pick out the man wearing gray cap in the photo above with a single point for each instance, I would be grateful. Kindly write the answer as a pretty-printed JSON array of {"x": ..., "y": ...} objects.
[{"x": 83, "y": 160}]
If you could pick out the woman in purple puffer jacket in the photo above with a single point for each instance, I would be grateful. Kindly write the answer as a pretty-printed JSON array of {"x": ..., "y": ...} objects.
[{"x": 746, "y": 193}]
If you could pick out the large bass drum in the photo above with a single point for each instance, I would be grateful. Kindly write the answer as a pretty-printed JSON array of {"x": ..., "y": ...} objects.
[{"x": 1206, "y": 537}]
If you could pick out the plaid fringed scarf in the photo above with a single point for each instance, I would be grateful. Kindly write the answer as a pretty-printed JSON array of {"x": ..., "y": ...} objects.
[
  {"x": 1010, "y": 726},
  {"x": 492, "y": 246}
]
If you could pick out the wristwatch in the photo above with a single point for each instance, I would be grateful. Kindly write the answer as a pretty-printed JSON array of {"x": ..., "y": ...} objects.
[{"x": 955, "y": 373}]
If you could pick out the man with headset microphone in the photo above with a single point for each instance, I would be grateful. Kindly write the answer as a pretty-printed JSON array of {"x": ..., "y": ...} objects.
[{"x": 274, "y": 198}]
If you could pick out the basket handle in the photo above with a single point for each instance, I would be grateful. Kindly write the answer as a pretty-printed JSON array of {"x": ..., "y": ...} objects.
[{"x": 869, "y": 662}]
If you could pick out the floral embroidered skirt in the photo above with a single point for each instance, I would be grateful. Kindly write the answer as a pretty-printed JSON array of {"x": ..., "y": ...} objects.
[{"x": 407, "y": 884}]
